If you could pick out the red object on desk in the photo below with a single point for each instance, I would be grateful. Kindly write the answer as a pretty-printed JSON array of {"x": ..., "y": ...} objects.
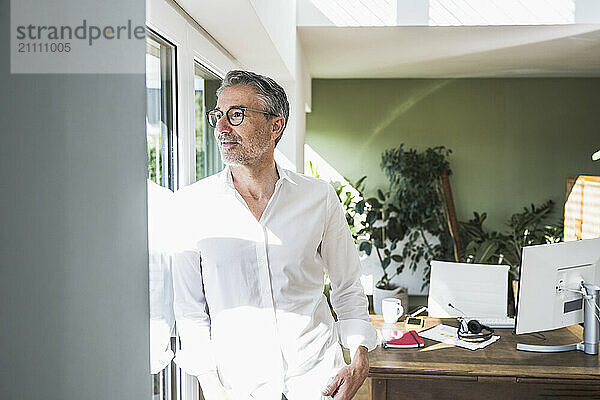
[{"x": 407, "y": 340}]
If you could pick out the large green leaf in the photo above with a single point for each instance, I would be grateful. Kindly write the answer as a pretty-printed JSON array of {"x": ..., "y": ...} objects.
[
  {"x": 374, "y": 203},
  {"x": 358, "y": 185},
  {"x": 366, "y": 247},
  {"x": 372, "y": 217},
  {"x": 360, "y": 207},
  {"x": 385, "y": 262},
  {"x": 486, "y": 251}
]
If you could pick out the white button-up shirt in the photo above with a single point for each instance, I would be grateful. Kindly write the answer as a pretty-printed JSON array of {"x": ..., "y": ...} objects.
[{"x": 249, "y": 297}]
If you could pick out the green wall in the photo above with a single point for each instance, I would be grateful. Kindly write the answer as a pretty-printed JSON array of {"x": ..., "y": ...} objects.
[{"x": 514, "y": 140}]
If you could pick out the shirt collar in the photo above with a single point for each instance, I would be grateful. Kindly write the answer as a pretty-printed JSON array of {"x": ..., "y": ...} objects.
[
  {"x": 283, "y": 173},
  {"x": 227, "y": 179}
]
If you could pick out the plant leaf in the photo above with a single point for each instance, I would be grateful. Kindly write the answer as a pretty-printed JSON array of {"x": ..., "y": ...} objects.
[
  {"x": 360, "y": 207},
  {"x": 373, "y": 202},
  {"x": 385, "y": 262},
  {"x": 486, "y": 251},
  {"x": 366, "y": 247},
  {"x": 358, "y": 183},
  {"x": 371, "y": 217}
]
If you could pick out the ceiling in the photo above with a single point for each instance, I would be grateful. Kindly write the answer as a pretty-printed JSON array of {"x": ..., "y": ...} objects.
[{"x": 452, "y": 52}]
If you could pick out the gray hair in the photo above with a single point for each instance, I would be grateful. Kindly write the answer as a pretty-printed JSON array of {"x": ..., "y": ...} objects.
[{"x": 270, "y": 94}]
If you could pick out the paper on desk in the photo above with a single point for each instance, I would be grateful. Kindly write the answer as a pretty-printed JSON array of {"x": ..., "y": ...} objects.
[{"x": 448, "y": 334}]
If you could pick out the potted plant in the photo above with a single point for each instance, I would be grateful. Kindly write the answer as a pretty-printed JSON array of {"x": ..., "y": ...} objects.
[
  {"x": 382, "y": 232},
  {"x": 524, "y": 229},
  {"x": 416, "y": 195}
]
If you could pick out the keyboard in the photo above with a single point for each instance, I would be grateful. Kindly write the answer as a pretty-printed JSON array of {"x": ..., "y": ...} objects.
[{"x": 498, "y": 323}]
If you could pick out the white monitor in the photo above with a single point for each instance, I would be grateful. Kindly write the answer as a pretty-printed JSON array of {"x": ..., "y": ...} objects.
[
  {"x": 471, "y": 290},
  {"x": 548, "y": 273}
]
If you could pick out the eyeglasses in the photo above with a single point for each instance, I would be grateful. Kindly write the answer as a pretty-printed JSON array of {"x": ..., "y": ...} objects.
[{"x": 235, "y": 115}]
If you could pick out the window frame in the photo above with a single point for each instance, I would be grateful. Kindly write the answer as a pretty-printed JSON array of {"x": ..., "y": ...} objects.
[
  {"x": 169, "y": 20},
  {"x": 168, "y": 377},
  {"x": 211, "y": 148},
  {"x": 168, "y": 109}
]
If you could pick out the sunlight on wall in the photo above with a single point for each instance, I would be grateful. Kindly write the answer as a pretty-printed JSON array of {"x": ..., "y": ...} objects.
[
  {"x": 582, "y": 209},
  {"x": 321, "y": 166},
  {"x": 401, "y": 109}
]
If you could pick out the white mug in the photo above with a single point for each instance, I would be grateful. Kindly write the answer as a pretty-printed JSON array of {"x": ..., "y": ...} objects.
[{"x": 391, "y": 309}]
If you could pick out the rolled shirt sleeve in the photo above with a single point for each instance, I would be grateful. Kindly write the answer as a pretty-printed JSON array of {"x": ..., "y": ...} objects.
[
  {"x": 343, "y": 267},
  {"x": 193, "y": 322}
]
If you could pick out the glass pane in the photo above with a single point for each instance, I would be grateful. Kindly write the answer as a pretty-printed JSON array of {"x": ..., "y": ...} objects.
[
  {"x": 153, "y": 111},
  {"x": 160, "y": 110},
  {"x": 208, "y": 160},
  {"x": 158, "y": 386},
  {"x": 200, "y": 125}
]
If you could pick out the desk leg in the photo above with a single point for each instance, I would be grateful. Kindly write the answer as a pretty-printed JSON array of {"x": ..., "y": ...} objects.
[{"x": 378, "y": 389}]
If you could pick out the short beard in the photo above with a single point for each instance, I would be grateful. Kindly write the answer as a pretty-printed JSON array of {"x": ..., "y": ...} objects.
[{"x": 248, "y": 152}]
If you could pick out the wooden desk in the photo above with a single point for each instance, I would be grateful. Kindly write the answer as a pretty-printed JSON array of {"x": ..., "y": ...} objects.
[{"x": 499, "y": 371}]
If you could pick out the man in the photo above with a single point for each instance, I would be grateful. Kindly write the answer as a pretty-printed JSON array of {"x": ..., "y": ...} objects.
[{"x": 248, "y": 276}]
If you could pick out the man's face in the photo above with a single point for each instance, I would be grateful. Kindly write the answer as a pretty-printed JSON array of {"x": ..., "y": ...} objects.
[{"x": 248, "y": 142}]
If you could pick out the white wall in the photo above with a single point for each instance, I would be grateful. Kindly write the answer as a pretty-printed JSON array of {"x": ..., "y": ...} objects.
[
  {"x": 73, "y": 237},
  {"x": 279, "y": 21},
  {"x": 303, "y": 87}
]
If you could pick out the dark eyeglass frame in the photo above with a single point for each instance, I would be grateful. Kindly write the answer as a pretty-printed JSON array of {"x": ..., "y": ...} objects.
[{"x": 242, "y": 109}]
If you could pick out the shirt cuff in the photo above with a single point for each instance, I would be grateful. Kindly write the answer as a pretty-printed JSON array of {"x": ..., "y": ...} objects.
[
  {"x": 159, "y": 361},
  {"x": 160, "y": 341},
  {"x": 353, "y": 333}
]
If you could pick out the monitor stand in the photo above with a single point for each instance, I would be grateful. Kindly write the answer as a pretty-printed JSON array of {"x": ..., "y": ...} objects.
[{"x": 591, "y": 326}]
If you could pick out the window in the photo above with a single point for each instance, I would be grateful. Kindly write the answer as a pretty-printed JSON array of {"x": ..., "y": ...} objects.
[
  {"x": 208, "y": 160},
  {"x": 161, "y": 141},
  {"x": 181, "y": 145},
  {"x": 160, "y": 106}
]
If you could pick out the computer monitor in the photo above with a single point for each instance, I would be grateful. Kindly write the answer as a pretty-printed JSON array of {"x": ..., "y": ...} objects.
[{"x": 551, "y": 294}]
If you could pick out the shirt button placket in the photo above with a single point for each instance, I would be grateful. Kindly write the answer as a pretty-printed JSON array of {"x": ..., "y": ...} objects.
[
  {"x": 265, "y": 276},
  {"x": 267, "y": 299}
]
